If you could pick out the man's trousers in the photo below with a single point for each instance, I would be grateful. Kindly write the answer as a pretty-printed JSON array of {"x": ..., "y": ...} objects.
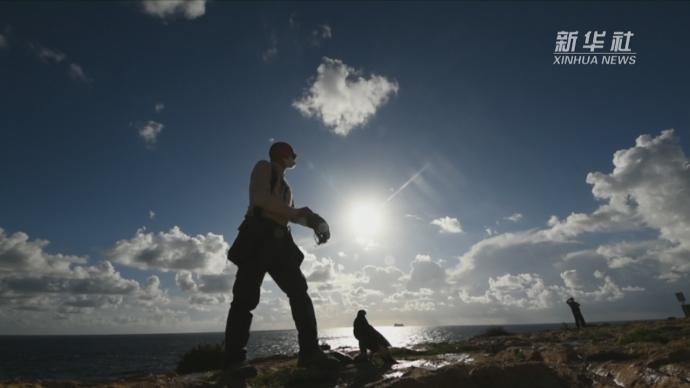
[{"x": 271, "y": 257}]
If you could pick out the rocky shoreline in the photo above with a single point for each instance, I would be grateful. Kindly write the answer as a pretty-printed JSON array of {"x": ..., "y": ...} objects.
[{"x": 636, "y": 354}]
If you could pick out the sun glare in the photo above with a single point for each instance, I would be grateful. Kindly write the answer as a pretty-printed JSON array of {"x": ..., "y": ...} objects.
[{"x": 366, "y": 219}]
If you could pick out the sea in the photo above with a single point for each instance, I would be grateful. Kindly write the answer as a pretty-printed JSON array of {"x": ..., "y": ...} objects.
[{"x": 110, "y": 357}]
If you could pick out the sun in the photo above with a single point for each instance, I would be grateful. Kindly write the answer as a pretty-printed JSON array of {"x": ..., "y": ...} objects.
[{"x": 366, "y": 218}]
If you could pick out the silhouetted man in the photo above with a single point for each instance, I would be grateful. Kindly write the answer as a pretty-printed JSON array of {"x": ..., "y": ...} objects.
[
  {"x": 263, "y": 245},
  {"x": 370, "y": 338},
  {"x": 575, "y": 308}
]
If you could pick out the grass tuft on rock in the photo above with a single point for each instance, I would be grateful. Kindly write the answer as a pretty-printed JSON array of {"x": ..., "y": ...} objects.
[
  {"x": 274, "y": 377},
  {"x": 201, "y": 358},
  {"x": 643, "y": 335},
  {"x": 431, "y": 349},
  {"x": 495, "y": 332}
]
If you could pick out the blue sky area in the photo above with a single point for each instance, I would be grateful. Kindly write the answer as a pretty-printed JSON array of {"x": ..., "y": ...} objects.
[{"x": 132, "y": 127}]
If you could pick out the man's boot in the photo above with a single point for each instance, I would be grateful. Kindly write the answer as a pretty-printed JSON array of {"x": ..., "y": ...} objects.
[
  {"x": 238, "y": 368},
  {"x": 318, "y": 359}
]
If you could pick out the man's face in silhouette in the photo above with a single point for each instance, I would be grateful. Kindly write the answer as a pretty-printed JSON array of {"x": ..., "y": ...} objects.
[{"x": 290, "y": 162}]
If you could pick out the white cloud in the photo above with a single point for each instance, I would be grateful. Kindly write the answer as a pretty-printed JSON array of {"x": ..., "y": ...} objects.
[
  {"x": 321, "y": 34},
  {"x": 336, "y": 293},
  {"x": 215, "y": 283},
  {"x": 159, "y": 107},
  {"x": 76, "y": 73},
  {"x": 207, "y": 289},
  {"x": 171, "y": 251},
  {"x": 47, "y": 55},
  {"x": 644, "y": 195},
  {"x": 605, "y": 219},
  {"x": 342, "y": 99},
  {"x": 150, "y": 131},
  {"x": 571, "y": 279},
  {"x": 32, "y": 279},
  {"x": 515, "y": 217},
  {"x": 512, "y": 252},
  {"x": 321, "y": 271},
  {"x": 42, "y": 292},
  {"x": 626, "y": 253},
  {"x": 269, "y": 54},
  {"x": 523, "y": 290},
  {"x": 206, "y": 299},
  {"x": 56, "y": 57},
  {"x": 19, "y": 254},
  {"x": 3, "y": 42},
  {"x": 632, "y": 289},
  {"x": 100, "y": 279},
  {"x": 466, "y": 264},
  {"x": 87, "y": 303},
  {"x": 421, "y": 300},
  {"x": 168, "y": 9},
  {"x": 292, "y": 20},
  {"x": 272, "y": 51},
  {"x": 185, "y": 281},
  {"x": 151, "y": 293},
  {"x": 606, "y": 291},
  {"x": 448, "y": 225},
  {"x": 624, "y": 248},
  {"x": 652, "y": 181},
  {"x": 152, "y": 214},
  {"x": 387, "y": 279},
  {"x": 647, "y": 190},
  {"x": 425, "y": 273},
  {"x": 530, "y": 291}
]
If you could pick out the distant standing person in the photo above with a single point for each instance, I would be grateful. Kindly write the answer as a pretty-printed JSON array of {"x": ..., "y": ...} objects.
[
  {"x": 263, "y": 245},
  {"x": 575, "y": 308}
]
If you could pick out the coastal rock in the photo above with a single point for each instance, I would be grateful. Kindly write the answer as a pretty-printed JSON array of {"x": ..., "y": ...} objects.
[
  {"x": 527, "y": 375},
  {"x": 557, "y": 355},
  {"x": 636, "y": 354}
]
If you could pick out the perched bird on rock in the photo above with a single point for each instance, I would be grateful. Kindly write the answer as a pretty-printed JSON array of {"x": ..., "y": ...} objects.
[{"x": 370, "y": 339}]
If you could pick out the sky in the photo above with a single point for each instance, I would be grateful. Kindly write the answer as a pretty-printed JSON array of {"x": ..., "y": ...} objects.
[{"x": 466, "y": 177}]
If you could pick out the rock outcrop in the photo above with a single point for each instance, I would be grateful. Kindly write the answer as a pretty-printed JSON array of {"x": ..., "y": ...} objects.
[{"x": 638, "y": 354}]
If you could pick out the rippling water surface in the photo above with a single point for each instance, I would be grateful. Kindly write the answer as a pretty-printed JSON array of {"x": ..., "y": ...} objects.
[{"x": 112, "y": 356}]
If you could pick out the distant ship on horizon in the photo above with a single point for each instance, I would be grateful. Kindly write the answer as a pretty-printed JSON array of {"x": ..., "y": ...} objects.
[{"x": 398, "y": 325}]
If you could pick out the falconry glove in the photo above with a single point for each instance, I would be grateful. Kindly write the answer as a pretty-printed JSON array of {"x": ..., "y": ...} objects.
[{"x": 320, "y": 227}]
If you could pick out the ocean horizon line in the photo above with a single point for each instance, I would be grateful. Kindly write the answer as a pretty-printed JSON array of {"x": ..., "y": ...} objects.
[{"x": 327, "y": 328}]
